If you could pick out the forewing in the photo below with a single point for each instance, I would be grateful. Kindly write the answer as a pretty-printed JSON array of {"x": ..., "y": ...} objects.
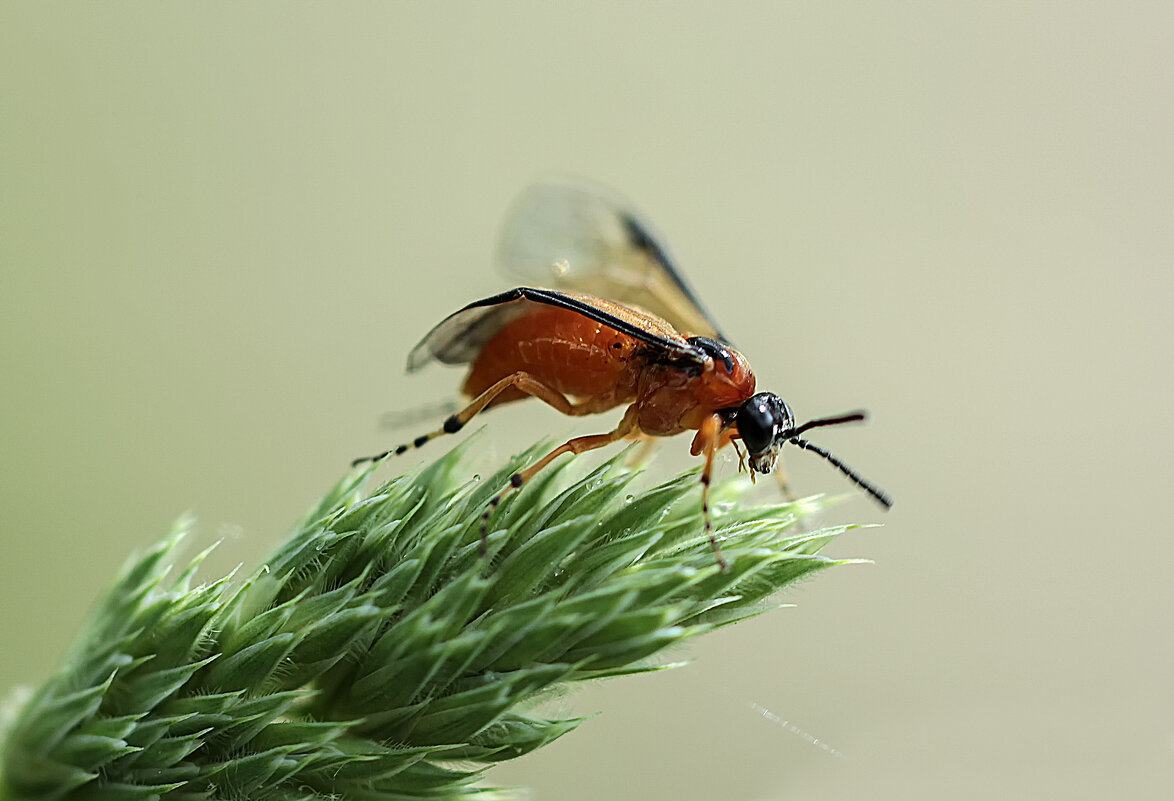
[
  {"x": 576, "y": 239},
  {"x": 460, "y": 337}
]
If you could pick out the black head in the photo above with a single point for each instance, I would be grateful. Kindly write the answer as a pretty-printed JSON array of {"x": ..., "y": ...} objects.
[{"x": 765, "y": 423}]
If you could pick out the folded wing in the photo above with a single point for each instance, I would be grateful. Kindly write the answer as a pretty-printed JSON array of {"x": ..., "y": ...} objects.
[{"x": 460, "y": 337}]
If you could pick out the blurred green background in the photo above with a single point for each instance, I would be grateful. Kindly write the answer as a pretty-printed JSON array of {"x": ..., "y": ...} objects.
[{"x": 222, "y": 227}]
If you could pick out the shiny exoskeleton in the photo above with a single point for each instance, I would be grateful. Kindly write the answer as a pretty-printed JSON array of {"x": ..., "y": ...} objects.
[
  {"x": 584, "y": 355},
  {"x": 622, "y": 329}
]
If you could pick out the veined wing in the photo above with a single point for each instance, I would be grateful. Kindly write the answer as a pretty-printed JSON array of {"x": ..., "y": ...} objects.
[
  {"x": 460, "y": 337},
  {"x": 572, "y": 238}
]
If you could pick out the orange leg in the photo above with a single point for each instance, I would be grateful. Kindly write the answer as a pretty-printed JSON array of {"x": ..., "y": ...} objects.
[
  {"x": 781, "y": 478},
  {"x": 455, "y": 422},
  {"x": 577, "y": 445},
  {"x": 709, "y": 438},
  {"x": 642, "y": 453},
  {"x": 741, "y": 459}
]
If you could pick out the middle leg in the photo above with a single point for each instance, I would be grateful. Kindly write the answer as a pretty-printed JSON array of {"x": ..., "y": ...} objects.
[{"x": 577, "y": 445}]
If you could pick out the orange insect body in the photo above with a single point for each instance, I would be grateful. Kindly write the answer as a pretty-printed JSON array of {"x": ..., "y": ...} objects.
[
  {"x": 603, "y": 368},
  {"x": 566, "y": 351},
  {"x": 622, "y": 329},
  {"x": 674, "y": 399}
]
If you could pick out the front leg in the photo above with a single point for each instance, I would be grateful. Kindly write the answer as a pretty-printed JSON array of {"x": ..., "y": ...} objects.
[
  {"x": 708, "y": 440},
  {"x": 521, "y": 381}
]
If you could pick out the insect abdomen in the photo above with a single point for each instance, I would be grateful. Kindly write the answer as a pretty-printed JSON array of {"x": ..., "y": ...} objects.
[{"x": 564, "y": 350}]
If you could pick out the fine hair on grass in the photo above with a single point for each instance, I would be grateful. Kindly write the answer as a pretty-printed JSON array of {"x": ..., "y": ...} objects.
[{"x": 376, "y": 654}]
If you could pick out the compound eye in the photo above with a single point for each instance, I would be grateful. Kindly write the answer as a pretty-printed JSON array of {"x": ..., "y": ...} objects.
[{"x": 756, "y": 425}]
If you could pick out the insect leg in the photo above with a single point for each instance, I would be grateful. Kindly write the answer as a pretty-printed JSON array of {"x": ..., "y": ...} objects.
[
  {"x": 741, "y": 459},
  {"x": 415, "y": 415},
  {"x": 781, "y": 478},
  {"x": 709, "y": 437},
  {"x": 576, "y": 445},
  {"x": 455, "y": 422},
  {"x": 643, "y": 451}
]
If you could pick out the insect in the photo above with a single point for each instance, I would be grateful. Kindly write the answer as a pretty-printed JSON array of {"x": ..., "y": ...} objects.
[{"x": 619, "y": 328}]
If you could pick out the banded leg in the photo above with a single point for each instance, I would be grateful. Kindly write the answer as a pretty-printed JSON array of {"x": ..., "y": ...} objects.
[
  {"x": 709, "y": 437},
  {"x": 577, "y": 445},
  {"x": 418, "y": 415},
  {"x": 455, "y": 422}
]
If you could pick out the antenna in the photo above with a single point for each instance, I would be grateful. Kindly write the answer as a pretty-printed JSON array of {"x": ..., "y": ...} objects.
[
  {"x": 881, "y": 497},
  {"x": 849, "y": 417}
]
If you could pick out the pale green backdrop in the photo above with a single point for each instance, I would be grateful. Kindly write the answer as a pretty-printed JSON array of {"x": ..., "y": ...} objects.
[{"x": 222, "y": 227}]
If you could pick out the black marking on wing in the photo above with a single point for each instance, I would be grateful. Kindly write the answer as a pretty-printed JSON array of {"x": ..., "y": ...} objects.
[
  {"x": 451, "y": 342},
  {"x": 641, "y": 239},
  {"x": 715, "y": 350}
]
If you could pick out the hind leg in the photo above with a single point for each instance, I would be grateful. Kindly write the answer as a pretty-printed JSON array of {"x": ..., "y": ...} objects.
[{"x": 522, "y": 381}]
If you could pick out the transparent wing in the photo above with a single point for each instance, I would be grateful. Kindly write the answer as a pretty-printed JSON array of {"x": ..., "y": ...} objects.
[
  {"x": 569, "y": 237},
  {"x": 460, "y": 337}
]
